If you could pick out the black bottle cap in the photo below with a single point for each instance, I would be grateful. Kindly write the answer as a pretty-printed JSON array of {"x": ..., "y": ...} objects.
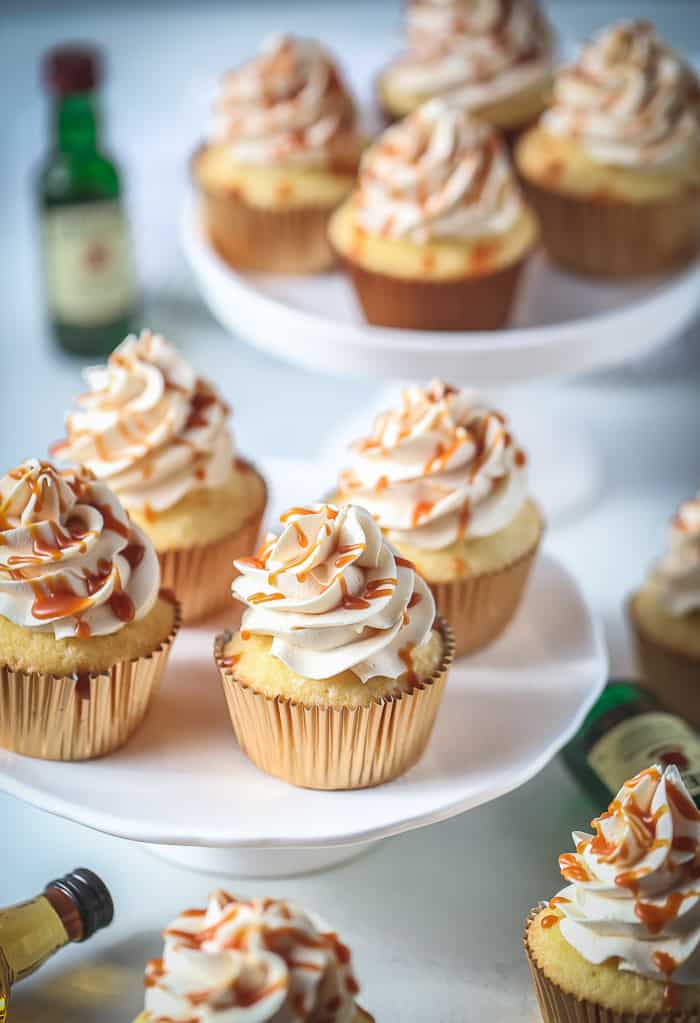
[
  {"x": 91, "y": 897},
  {"x": 72, "y": 68}
]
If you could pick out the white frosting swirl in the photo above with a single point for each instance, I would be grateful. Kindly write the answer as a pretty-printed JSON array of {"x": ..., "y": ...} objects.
[
  {"x": 634, "y": 891},
  {"x": 440, "y": 468},
  {"x": 335, "y": 596},
  {"x": 71, "y": 562},
  {"x": 437, "y": 174},
  {"x": 677, "y": 575},
  {"x": 250, "y": 961},
  {"x": 149, "y": 426},
  {"x": 288, "y": 106},
  {"x": 478, "y": 51},
  {"x": 630, "y": 100}
]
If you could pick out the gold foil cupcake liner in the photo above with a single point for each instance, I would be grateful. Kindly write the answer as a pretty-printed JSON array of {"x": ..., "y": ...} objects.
[
  {"x": 617, "y": 239},
  {"x": 335, "y": 747},
  {"x": 83, "y": 715}
]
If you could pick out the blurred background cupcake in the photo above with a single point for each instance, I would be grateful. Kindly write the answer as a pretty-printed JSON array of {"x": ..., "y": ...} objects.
[
  {"x": 613, "y": 166},
  {"x": 437, "y": 232},
  {"x": 158, "y": 434},
  {"x": 283, "y": 153},
  {"x": 493, "y": 56},
  {"x": 448, "y": 485}
]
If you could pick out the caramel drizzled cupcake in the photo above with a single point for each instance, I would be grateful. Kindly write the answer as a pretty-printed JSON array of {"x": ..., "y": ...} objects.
[
  {"x": 283, "y": 153},
  {"x": 437, "y": 232},
  {"x": 253, "y": 961},
  {"x": 85, "y": 629},
  {"x": 447, "y": 483},
  {"x": 336, "y": 676},
  {"x": 613, "y": 166},
  {"x": 492, "y": 56},
  {"x": 620, "y": 943},
  {"x": 158, "y": 434}
]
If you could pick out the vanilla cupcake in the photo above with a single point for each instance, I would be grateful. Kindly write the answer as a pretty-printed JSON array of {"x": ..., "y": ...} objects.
[
  {"x": 613, "y": 167},
  {"x": 665, "y": 618},
  {"x": 158, "y": 434},
  {"x": 493, "y": 56},
  {"x": 445, "y": 480},
  {"x": 283, "y": 153},
  {"x": 85, "y": 629},
  {"x": 620, "y": 944},
  {"x": 437, "y": 232},
  {"x": 335, "y": 678},
  {"x": 251, "y": 961}
]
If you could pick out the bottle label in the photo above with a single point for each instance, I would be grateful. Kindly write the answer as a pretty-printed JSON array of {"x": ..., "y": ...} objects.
[
  {"x": 88, "y": 268},
  {"x": 652, "y": 738}
]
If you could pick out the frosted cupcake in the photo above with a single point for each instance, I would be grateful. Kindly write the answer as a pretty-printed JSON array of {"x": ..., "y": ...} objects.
[
  {"x": 493, "y": 56},
  {"x": 619, "y": 944},
  {"x": 85, "y": 629},
  {"x": 335, "y": 678},
  {"x": 283, "y": 153},
  {"x": 665, "y": 618},
  {"x": 253, "y": 961},
  {"x": 437, "y": 232},
  {"x": 158, "y": 434},
  {"x": 447, "y": 483},
  {"x": 613, "y": 167}
]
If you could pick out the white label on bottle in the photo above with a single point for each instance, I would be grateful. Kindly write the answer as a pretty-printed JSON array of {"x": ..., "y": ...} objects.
[
  {"x": 88, "y": 268},
  {"x": 643, "y": 740}
]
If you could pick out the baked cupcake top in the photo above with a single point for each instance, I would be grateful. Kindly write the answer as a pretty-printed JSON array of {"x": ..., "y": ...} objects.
[
  {"x": 334, "y": 596},
  {"x": 287, "y": 107},
  {"x": 479, "y": 51},
  {"x": 633, "y": 892},
  {"x": 629, "y": 100},
  {"x": 250, "y": 961},
  {"x": 676, "y": 576},
  {"x": 437, "y": 174},
  {"x": 441, "y": 467},
  {"x": 149, "y": 426},
  {"x": 71, "y": 561}
]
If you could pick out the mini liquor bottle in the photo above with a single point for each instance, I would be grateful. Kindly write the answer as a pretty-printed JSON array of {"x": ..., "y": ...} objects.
[{"x": 89, "y": 281}]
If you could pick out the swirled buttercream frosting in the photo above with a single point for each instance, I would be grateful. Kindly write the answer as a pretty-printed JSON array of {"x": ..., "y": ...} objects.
[
  {"x": 634, "y": 885},
  {"x": 437, "y": 174},
  {"x": 441, "y": 467},
  {"x": 287, "y": 106},
  {"x": 629, "y": 100},
  {"x": 250, "y": 961},
  {"x": 676, "y": 575},
  {"x": 335, "y": 596},
  {"x": 149, "y": 426},
  {"x": 71, "y": 561}
]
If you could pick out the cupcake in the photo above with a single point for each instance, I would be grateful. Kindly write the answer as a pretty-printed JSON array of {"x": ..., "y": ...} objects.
[
  {"x": 493, "y": 56},
  {"x": 283, "y": 153},
  {"x": 446, "y": 482},
  {"x": 85, "y": 629},
  {"x": 335, "y": 678},
  {"x": 665, "y": 618},
  {"x": 613, "y": 167},
  {"x": 619, "y": 944},
  {"x": 158, "y": 435},
  {"x": 436, "y": 234},
  {"x": 253, "y": 961}
]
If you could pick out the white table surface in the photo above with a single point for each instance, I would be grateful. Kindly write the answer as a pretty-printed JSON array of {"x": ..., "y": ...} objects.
[{"x": 434, "y": 917}]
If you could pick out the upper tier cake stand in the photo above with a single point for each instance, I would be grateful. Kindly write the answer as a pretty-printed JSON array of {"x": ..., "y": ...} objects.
[{"x": 183, "y": 787}]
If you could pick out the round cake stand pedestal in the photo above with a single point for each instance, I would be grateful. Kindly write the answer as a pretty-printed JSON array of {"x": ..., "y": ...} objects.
[{"x": 258, "y": 863}]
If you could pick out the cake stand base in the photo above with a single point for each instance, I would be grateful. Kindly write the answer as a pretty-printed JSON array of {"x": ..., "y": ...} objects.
[{"x": 258, "y": 862}]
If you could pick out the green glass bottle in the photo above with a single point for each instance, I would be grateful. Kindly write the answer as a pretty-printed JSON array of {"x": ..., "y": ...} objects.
[
  {"x": 90, "y": 286},
  {"x": 627, "y": 730}
]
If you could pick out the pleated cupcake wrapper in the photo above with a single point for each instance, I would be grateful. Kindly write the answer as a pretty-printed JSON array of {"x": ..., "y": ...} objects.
[
  {"x": 558, "y": 1006},
  {"x": 617, "y": 239},
  {"x": 335, "y": 747},
  {"x": 464, "y": 303},
  {"x": 79, "y": 716},
  {"x": 671, "y": 675},
  {"x": 480, "y": 607}
]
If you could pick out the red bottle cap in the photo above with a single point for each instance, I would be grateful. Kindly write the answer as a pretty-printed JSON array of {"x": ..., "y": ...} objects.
[{"x": 72, "y": 68}]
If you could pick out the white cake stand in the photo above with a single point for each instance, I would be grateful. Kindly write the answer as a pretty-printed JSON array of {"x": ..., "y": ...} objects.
[{"x": 183, "y": 787}]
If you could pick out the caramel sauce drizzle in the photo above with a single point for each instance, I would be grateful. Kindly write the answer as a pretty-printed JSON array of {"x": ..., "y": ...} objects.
[
  {"x": 264, "y": 598},
  {"x": 406, "y": 655}
]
